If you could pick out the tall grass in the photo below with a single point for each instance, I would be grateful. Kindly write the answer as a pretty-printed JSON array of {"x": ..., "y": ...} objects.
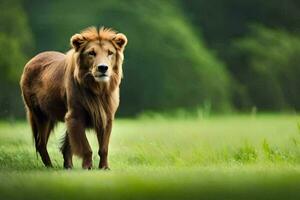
[{"x": 237, "y": 157}]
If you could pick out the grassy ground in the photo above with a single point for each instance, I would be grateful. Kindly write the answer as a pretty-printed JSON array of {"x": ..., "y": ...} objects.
[{"x": 228, "y": 157}]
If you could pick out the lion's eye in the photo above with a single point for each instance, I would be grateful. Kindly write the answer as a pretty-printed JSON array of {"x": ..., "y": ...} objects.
[
  {"x": 110, "y": 53},
  {"x": 92, "y": 53}
]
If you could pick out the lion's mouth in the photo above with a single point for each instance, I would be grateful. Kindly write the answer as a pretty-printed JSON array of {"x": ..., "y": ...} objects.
[
  {"x": 98, "y": 74},
  {"x": 101, "y": 77}
]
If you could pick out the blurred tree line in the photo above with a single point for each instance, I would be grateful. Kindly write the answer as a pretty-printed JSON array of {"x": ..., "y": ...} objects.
[
  {"x": 259, "y": 43},
  {"x": 216, "y": 54},
  {"x": 16, "y": 44}
]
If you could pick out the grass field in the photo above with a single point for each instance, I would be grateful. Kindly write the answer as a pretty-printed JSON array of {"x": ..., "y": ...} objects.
[{"x": 221, "y": 157}]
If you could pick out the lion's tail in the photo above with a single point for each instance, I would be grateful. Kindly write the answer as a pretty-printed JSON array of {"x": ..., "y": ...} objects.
[
  {"x": 34, "y": 129},
  {"x": 32, "y": 121}
]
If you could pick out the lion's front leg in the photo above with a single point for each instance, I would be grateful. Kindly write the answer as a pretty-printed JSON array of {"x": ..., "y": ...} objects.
[
  {"x": 77, "y": 138},
  {"x": 103, "y": 136},
  {"x": 67, "y": 152}
]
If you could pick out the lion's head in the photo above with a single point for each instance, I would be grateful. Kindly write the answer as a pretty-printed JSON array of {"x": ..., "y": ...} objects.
[{"x": 98, "y": 55}]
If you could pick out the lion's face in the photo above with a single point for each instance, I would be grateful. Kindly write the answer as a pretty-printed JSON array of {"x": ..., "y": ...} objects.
[
  {"x": 100, "y": 54},
  {"x": 100, "y": 58}
]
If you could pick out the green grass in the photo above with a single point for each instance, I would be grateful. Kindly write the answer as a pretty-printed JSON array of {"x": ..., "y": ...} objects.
[{"x": 221, "y": 157}]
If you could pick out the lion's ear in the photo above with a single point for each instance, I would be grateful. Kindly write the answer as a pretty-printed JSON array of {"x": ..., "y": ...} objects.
[
  {"x": 77, "y": 41},
  {"x": 120, "y": 40}
]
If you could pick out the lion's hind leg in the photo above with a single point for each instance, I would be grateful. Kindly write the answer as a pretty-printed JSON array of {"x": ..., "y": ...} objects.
[{"x": 41, "y": 128}]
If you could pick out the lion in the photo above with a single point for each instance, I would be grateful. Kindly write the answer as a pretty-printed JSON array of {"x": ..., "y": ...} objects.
[{"x": 80, "y": 88}]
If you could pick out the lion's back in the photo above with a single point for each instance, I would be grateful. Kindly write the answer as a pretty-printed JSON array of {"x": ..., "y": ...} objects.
[
  {"x": 42, "y": 61},
  {"x": 42, "y": 82},
  {"x": 43, "y": 66}
]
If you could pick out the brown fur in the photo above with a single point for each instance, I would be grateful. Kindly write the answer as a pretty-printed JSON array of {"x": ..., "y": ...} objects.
[{"x": 68, "y": 87}]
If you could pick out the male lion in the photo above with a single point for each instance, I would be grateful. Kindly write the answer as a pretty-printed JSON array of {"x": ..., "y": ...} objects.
[{"x": 80, "y": 88}]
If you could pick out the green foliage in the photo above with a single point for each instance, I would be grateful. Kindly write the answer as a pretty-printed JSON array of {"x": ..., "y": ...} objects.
[
  {"x": 15, "y": 40},
  {"x": 16, "y": 43},
  {"x": 222, "y": 22},
  {"x": 273, "y": 59}
]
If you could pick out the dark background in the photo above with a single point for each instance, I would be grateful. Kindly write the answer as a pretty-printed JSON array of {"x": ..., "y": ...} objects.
[{"x": 213, "y": 55}]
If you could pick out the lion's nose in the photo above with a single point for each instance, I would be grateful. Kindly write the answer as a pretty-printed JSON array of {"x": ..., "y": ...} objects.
[{"x": 102, "y": 68}]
